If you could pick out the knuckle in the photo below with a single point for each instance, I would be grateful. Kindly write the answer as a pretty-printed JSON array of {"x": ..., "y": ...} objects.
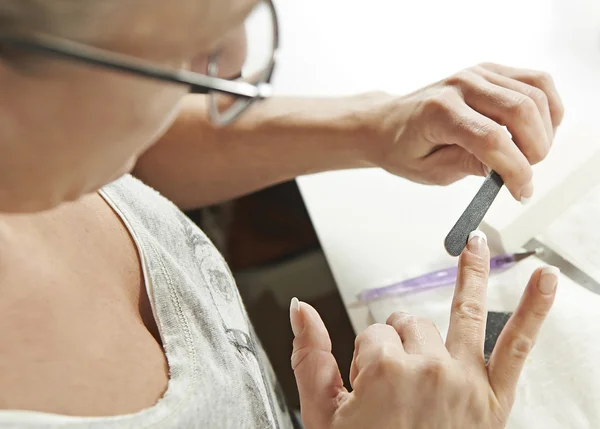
[
  {"x": 409, "y": 321},
  {"x": 369, "y": 332},
  {"x": 543, "y": 79},
  {"x": 404, "y": 321},
  {"x": 491, "y": 136},
  {"x": 395, "y": 318},
  {"x": 436, "y": 371},
  {"x": 545, "y": 82},
  {"x": 537, "y": 154},
  {"x": 475, "y": 267},
  {"x": 537, "y": 95},
  {"x": 441, "y": 102},
  {"x": 539, "y": 314},
  {"x": 523, "y": 107},
  {"x": 462, "y": 79},
  {"x": 520, "y": 346},
  {"x": 487, "y": 65},
  {"x": 385, "y": 365},
  {"x": 469, "y": 310},
  {"x": 478, "y": 69}
]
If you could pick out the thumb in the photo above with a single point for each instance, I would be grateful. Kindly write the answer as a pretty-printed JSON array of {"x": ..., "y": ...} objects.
[{"x": 317, "y": 374}]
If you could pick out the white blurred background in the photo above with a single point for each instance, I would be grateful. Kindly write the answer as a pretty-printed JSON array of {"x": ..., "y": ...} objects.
[{"x": 332, "y": 47}]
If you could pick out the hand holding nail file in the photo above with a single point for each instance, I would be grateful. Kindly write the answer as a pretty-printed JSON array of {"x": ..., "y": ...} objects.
[{"x": 439, "y": 278}]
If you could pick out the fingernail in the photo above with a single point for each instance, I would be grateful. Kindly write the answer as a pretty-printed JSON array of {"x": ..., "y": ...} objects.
[
  {"x": 295, "y": 317},
  {"x": 487, "y": 170},
  {"x": 526, "y": 193},
  {"x": 548, "y": 279},
  {"x": 477, "y": 242}
]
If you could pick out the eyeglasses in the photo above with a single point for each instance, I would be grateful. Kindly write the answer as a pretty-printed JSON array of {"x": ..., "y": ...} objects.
[{"x": 228, "y": 99}]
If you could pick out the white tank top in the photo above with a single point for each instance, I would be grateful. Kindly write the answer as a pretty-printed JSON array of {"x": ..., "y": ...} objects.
[{"x": 219, "y": 376}]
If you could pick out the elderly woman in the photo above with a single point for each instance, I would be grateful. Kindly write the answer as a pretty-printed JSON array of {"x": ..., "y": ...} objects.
[{"x": 117, "y": 312}]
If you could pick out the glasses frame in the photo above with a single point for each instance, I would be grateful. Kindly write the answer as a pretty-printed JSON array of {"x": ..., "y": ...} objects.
[
  {"x": 263, "y": 79},
  {"x": 65, "y": 49}
]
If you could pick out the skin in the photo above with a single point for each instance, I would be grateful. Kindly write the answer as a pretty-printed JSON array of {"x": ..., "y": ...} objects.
[
  {"x": 57, "y": 237},
  {"x": 437, "y": 135},
  {"x": 71, "y": 151},
  {"x": 70, "y": 272},
  {"x": 74, "y": 315},
  {"x": 404, "y": 376}
]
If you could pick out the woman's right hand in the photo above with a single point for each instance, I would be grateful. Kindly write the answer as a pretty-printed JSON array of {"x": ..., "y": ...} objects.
[{"x": 404, "y": 376}]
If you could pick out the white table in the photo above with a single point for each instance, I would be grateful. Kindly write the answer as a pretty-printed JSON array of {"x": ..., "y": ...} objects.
[{"x": 335, "y": 47}]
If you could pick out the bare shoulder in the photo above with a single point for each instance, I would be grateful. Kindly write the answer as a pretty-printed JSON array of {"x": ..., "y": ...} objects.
[{"x": 74, "y": 315}]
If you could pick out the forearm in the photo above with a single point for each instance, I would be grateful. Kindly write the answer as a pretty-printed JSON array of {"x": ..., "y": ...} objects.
[{"x": 196, "y": 164}]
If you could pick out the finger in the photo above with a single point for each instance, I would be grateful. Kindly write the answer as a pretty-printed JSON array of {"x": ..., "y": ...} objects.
[
  {"x": 450, "y": 164},
  {"x": 466, "y": 334},
  {"x": 418, "y": 335},
  {"x": 520, "y": 332},
  {"x": 457, "y": 123},
  {"x": 539, "y": 80},
  {"x": 517, "y": 111},
  {"x": 375, "y": 344},
  {"x": 353, "y": 369},
  {"x": 537, "y": 95},
  {"x": 316, "y": 370}
]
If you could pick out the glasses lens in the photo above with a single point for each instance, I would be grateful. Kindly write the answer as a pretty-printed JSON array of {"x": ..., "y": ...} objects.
[{"x": 257, "y": 67}]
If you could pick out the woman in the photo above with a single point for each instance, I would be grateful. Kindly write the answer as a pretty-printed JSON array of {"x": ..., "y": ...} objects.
[{"x": 116, "y": 310}]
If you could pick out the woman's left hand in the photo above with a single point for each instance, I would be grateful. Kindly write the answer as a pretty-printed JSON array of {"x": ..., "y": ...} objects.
[
  {"x": 455, "y": 127},
  {"x": 404, "y": 376}
]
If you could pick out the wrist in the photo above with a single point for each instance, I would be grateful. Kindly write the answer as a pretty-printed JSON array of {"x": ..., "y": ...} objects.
[
  {"x": 373, "y": 126},
  {"x": 358, "y": 122},
  {"x": 349, "y": 131}
]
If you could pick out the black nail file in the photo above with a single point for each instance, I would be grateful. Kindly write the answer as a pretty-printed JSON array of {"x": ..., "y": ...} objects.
[{"x": 456, "y": 240}]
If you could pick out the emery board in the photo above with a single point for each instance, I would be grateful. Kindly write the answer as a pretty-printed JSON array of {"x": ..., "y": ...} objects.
[
  {"x": 569, "y": 172},
  {"x": 456, "y": 240}
]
